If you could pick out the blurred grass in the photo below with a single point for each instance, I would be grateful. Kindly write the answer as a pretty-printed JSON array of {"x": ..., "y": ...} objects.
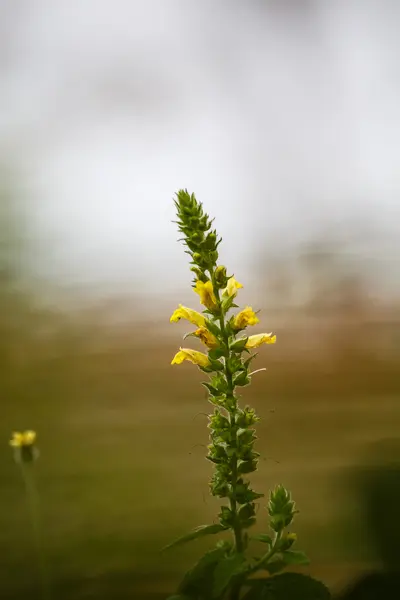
[
  {"x": 122, "y": 468},
  {"x": 122, "y": 436}
]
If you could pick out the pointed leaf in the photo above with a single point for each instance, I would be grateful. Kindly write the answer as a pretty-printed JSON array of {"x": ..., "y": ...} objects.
[
  {"x": 213, "y": 328},
  {"x": 262, "y": 537},
  {"x": 224, "y": 572},
  {"x": 294, "y": 557},
  {"x": 287, "y": 586},
  {"x": 213, "y": 390},
  {"x": 199, "y": 579},
  {"x": 275, "y": 566},
  {"x": 200, "y": 531}
]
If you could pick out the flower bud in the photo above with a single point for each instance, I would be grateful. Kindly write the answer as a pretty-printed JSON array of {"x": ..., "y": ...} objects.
[
  {"x": 287, "y": 542},
  {"x": 220, "y": 276}
]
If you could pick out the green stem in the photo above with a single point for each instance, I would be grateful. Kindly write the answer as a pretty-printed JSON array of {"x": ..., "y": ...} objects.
[
  {"x": 267, "y": 556},
  {"x": 33, "y": 504},
  {"x": 237, "y": 530}
]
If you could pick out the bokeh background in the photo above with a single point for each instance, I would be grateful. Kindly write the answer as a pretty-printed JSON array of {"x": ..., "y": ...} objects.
[{"x": 283, "y": 117}]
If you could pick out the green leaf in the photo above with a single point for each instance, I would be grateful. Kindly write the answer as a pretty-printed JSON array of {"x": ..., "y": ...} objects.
[
  {"x": 198, "y": 581},
  {"x": 228, "y": 303},
  {"x": 262, "y": 537},
  {"x": 275, "y": 566},
  {"x": 200, "y": 531},
  {"x": 216, "y": 353},
  {"x": 294, "y": 557},
  {"x": 287, "y": 586},
  {"x": 246, "y": 466},
  {"x": 242, "y": 379},
  {"x": 213, "y": 390},
  {"x": 247, "y": 511},
  {"x": 224, "y": 572},
  {"x": 179, "y": 597},
  {"x": 227, "y": 517},
  {"x": 213, "y": 328},
  {"x": 218, "y": 381},
  {"x": 216, "y": 365},
  {"x": 234, "y": 364},
  {"x": 238, "y": 345},
  {"x": 249, "y": 360}
]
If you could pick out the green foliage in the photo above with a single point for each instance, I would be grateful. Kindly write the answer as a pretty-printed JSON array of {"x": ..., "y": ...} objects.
[
  {"x": 199, "y": 532},
  {"x": 287, "y": 586},
  {"x": 198, "y": 581},
  {"x": 225, "y": 570},
  {"x": 294, "y": 557}
]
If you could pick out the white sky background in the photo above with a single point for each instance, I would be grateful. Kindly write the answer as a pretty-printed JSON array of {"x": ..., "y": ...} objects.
[{"x": 282, "y": 116}]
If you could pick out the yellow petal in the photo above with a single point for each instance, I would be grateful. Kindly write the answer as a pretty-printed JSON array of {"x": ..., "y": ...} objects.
[
  {"x": 188, "y": 314},
  {"x": 29, "y": 438},
  {"x": 206, "y": 293},
  {"x": 26, "y": 438},
  {"x": 254, "y": 341},
  {"x": 197, "y": 358},
  {"x": 207, "y": 337},
  {"x": 245, "y": 318},
  {"x": 232, "y": 287},
  {"x": 16, "y": 439}
]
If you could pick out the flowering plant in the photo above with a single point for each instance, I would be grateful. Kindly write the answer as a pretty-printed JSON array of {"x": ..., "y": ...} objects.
[{"x": 225, "y": 570}]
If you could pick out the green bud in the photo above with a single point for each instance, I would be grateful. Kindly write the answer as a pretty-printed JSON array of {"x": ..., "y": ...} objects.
[
  {"x": 226, "y": 517},
  {"x": 247, "y": 466},
  {"x": 280, "y": 508},
  {"x": 286, "y": 542},
  {"x": 246, "y": 417},
  {"x": 234, "y": 364},
  {"x": 220, "y": 276},
  {"x": 210, "y": 241},
  {"x": 197, "y": 257},
  {"x": 218, "y": 421},
  {"x": 247, "y": 511},
  {"x": 219, "y": 489}
]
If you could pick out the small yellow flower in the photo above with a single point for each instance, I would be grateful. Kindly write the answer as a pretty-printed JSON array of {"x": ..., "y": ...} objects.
[
  {"x": 232, "y": 287},
  {"x": 25, "y": 438},
  {"x": 246, "y": 317},
  {"x": 206, "y": 293},
  {"x": 254, "y": 341},
  {"x": 197, "y": 358},
  {"x": 190, "y": 315},
  {"x": 207, "y": 337}
]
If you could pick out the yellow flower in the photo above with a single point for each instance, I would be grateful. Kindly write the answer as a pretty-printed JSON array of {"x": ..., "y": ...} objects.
[
  {"x": 26, "y": 438},
  {"x": 190, "y": 315},
  {"x": 207, "y": 337},
  {"x": 232, "y": 287},
  {"x": 206, "y": 293},
  {"x": 254, "y": 341},
  {"x": 197, "y": 358},
  {"x": 246, "y": 317}
]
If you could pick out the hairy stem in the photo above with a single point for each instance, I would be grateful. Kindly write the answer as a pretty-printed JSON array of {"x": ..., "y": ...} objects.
[
  {"x": 232, "y": 414},
  {"x": 237, "y": 530}
]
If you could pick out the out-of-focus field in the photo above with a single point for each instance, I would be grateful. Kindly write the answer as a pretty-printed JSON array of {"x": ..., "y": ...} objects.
[{"x": 122, "y": 437}]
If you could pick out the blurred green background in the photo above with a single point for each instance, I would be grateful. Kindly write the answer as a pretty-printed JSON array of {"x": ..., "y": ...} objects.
[
  {"x": 282, "y": 116},
  {"x": 122, "y": 433}
]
